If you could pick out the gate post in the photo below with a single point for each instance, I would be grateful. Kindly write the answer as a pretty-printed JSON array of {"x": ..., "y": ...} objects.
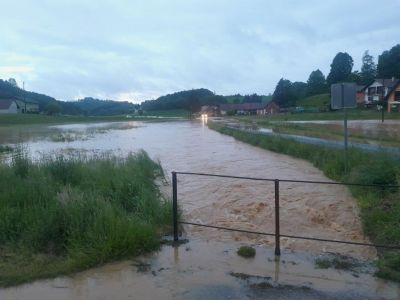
[
  {"x": 175, "y": 206},
  {"x": 277, "y": 221}
]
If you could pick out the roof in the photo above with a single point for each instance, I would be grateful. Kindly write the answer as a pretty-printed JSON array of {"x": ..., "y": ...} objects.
[
  {"x": 392, "y": 89},
  {"x": 360, "y": 88},
  {"x": 386, "y": 82},
  {"x": 272, "y": 103},
  {"x": 17, "y": 98},
  {"x": 5, "y": 103},
  {"x": 242, "y": 106},
  {"x": 208, "y": 108}
]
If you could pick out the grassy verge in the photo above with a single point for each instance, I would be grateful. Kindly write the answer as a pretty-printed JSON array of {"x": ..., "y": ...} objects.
[
  {"x": 62, "y": 214},
  {"x": 380, "y": 209},
  {"x": 352, "y": 114},
  {"x": 335, "y": 132}
]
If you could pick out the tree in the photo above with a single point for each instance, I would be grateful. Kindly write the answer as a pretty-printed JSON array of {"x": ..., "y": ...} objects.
[
  {"x": 254, "y": 98},
  {"x": 283, "y": 94},
  {"x": 299, "y": 89},
  {"x": 13, "y": 82},
  {"x": 355, "y": 76},
  {"x": 389, "y": 63},
  {"x": 192, "y": 103},
  {"x": 368, "y": 68},
  {"x": 341, "y": 67},
  {"x": 53, "y": 108},
  {"x": 316, "y": 83}
]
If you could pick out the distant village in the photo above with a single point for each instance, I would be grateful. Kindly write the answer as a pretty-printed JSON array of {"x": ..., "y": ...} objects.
[{"x": 379, "y": 94}]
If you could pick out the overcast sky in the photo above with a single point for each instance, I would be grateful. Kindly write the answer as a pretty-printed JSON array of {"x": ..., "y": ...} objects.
[{"x": 137, "y": 50}]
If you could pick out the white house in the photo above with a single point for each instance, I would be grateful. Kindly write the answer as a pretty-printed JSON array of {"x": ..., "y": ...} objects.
[{"x": 8, "y": 106}]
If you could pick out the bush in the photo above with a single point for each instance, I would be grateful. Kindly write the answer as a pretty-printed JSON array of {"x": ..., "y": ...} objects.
[
  {"x": 246, "y": 251},
  {"x": 77, "y": 212}
]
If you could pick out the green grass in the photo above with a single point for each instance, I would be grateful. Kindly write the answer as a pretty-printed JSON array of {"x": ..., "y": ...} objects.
[
  {"x": 62, "y": 215},
  {"x": 337, "y": 262},
  {"x": 175, "y": 113},
  {"x": 335, "y": 132},
  {"x": 353, "y": 114},
  {"x": 380, "y": 209},
  {"x": 320, "y": 101},
  {"x": 246, "y": 251}
]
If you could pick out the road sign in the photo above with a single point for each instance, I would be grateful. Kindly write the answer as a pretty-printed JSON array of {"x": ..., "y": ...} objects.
[{"x": 343, "y": 95}]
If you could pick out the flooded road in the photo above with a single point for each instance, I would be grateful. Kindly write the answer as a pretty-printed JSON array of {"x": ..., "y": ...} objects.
[
  {"x": 203, "y": 268},
  {"x": 369, "y": 128}
]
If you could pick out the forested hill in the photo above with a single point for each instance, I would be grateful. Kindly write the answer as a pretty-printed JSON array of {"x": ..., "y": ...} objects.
[
  {"x": 183, "y": 100},
  {"x": 194, "y": 99},
  {"x": 8, "y": 89},
  {"x": 47, "y": 104},
  {"x": 97, "y": 107}
]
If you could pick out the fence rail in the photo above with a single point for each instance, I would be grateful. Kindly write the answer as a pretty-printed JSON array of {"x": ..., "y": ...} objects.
[{"x": 277, "y": 233}]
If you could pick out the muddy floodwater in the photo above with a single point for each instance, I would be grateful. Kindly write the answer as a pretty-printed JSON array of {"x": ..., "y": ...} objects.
[
  {"x": 312, "y": 210},
  {"x": 210, "y": 270}
]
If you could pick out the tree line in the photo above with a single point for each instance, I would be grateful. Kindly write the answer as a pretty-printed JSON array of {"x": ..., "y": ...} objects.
[
  {"x": 48, "y": 105},
  {"x": 287, "y": 93}
]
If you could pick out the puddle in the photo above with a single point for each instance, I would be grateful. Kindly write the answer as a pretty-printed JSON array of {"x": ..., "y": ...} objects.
[{"x": 213, "y": 270}]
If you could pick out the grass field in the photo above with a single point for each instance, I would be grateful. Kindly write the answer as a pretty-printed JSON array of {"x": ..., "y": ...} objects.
[
  {"x": 320, "y": 101},
  {"x": 352, "y": 114},
  {"x": 62, "y": 214},
  {"x": 379, "y": 136},
  {"x": 380, "y": 208},
  {"x": 171, "y": 113}
]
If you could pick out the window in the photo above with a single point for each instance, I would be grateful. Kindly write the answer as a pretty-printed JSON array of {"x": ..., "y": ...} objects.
[{"x": 371, "y": 90}]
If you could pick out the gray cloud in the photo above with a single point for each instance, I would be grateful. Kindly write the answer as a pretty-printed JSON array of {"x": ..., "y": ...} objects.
[{"x": 135, "y": 50}]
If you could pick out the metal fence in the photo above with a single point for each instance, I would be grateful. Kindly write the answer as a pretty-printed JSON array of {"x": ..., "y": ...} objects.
[{"x": 277, "y": 233}]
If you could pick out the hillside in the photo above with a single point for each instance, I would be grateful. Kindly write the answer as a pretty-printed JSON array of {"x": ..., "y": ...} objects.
[
  {"x": 86, "y": 106},
  {"x": 181, "y": 100},
  {"x": 96, "y": 107},
  {"x": 320, "y": 101},
  {"x": 194, "y": 99}
]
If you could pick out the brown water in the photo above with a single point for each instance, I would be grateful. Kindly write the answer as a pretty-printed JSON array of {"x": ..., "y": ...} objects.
[
  {"x": 202, "y": 270},
  {"x": 323, "y": 211},
  {"x": 202, "y": 267}
]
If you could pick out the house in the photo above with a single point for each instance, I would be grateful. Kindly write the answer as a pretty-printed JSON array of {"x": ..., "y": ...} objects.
[
  {"x": 272, "y": 108},
  {"x": 249, "y": 108},
  {"x": 360, "y": 95},
  {"x": 8, "y": 106},
  {"x": 23, "y": 106},
  {"x": 393, "y": 98},
  {"x": 378, "y": 91},
  {"x": 209, "y": 110},
  {"x": 27, "y": 106}
]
